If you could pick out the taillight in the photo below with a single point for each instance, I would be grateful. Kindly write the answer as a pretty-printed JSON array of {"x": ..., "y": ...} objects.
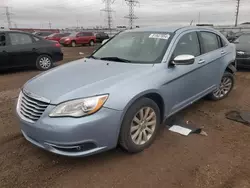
[{"x": 57, "y": 44}]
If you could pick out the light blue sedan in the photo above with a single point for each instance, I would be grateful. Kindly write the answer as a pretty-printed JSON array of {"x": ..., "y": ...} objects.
[{"x": 124, "y": 91}]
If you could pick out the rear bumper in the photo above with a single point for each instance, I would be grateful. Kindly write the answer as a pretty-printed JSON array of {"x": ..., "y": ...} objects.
[{"x": 58, "y": 56}]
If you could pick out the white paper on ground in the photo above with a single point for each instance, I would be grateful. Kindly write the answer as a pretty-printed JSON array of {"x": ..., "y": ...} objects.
[{"x": 181, "y": 130}]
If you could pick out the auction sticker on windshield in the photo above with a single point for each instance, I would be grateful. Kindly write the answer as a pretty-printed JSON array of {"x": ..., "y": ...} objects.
[{"x": 160, "y": 36}]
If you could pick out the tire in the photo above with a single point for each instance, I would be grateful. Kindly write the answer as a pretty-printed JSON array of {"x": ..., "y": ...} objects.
[
  {"x": 125, "y": 138},
  {"x": 226, "y": 86},
  {"x": 44, "y": 62},
  {"x": 73, "y": 44},
  {"x": 91, "y": 43}
]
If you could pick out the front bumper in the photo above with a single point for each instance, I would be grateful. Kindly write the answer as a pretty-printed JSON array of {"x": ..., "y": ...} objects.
[
  {"x": 243, "y": 61},
  {"x": 65, "y": 42},
  {"x": 74, "y": 136}
]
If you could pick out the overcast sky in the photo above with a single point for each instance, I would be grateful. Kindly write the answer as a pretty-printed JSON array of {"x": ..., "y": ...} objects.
[{"x": 65, "y": 13}]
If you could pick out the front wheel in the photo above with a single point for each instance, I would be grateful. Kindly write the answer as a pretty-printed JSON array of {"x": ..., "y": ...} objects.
[
  {"x": 140, "y": 126},
  {"x": 225, "y": 87},
  {"x": 73, "y": 44}
]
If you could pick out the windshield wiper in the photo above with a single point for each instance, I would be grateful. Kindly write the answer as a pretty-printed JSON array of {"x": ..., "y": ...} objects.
[
  {"x": 91, "y": 56},
  {"x": 115, "y": 59}
]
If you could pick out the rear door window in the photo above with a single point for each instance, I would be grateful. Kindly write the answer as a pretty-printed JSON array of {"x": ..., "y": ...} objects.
[
  {"x": 88, "y": 34},
  {"x": 2, "y": 39},
  {"x": 20, "y": 39},
  {"x": 209, "y": 42}
]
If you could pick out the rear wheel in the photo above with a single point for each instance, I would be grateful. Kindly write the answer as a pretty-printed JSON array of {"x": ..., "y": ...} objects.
[
  {"x": 225, "y": 87},
  {"x": 73, "y": 44},
  {"x": 44, "y": 62},
  {"x": 91, "y": 43},
  {"x": 140, "y": 126}
]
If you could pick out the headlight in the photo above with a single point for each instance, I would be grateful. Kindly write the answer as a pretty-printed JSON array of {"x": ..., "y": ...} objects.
[
  {"x": 67, "y": 39},
  {"x": 240, "y": 52},
  {"x": 79, "y": 107}
]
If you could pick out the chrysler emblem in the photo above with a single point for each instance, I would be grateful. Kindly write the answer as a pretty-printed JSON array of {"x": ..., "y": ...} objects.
[{"x": 32, "y": 95}]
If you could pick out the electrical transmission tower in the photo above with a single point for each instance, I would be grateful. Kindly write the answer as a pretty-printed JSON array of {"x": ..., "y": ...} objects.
[
  {"x": 8, "y": 15},
  {"x": 131, "y": 16},
  {"x": 108, "y": 11},
  {"x": 237, "y": 12}
]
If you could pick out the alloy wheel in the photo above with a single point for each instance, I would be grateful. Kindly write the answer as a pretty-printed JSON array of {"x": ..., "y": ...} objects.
[
  {"x": 45, "y": 62},
  {"x": 224, "y": 88},
  {"x": 73, "y": 44},
  {"x": 143, "y": 125}
]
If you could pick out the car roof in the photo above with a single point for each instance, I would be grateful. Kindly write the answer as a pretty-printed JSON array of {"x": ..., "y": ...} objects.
[
  {"x": 170, "y": 29},
  {"x": 16, "y": 31}
]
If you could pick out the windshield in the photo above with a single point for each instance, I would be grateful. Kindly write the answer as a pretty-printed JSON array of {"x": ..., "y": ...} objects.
[
  {"x": 44, "y": 34},
  {"x": 243, "y": 39},
  {"x": 72, "y": 34},
  {"x": 135, "y": 47}
]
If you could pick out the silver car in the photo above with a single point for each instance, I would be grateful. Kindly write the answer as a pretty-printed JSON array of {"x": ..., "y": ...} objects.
[{"x": 124, "y": 91}]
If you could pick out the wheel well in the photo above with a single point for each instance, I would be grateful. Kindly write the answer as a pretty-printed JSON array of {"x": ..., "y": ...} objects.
[
  {"x": 159, "y": 101},
  {"x": 228, "y": 69},
  {"x": 46, "y": 55}
]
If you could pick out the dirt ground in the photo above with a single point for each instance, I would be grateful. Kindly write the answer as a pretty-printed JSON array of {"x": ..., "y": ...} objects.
[{"x": 220, "y": 160}]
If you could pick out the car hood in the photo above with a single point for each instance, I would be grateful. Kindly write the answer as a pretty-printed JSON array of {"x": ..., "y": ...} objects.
[
  {"x": 243, "y": 47},
  {"x": 82, "y": 78}
]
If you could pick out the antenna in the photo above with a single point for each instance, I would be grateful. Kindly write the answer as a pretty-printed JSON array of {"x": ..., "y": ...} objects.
[
  {"x": 108, "y": 11},
  {"x": 131, "y": 16}
]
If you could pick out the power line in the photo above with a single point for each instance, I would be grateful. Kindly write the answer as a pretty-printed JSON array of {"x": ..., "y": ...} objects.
[
  {"x": 237, "y": 12},
  {"x": 108, "y": 11},
  {"x": 131, "y": 16}
]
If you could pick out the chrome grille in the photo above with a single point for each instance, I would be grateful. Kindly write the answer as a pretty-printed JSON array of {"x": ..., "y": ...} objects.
[{"x": 30, "y": 109}]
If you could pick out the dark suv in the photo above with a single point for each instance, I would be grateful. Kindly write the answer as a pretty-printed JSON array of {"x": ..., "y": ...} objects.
[
  {"x": 101, "y": 37},
  {"x": 243, "y": 50}
]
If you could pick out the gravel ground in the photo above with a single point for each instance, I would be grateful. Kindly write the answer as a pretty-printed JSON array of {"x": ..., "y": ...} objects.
[{"x": 220, "y": 160}]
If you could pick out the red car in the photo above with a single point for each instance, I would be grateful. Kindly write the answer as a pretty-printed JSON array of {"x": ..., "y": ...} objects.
[
  {"x": 57, "y": 36},
  {"x": 78, "y": 38}
]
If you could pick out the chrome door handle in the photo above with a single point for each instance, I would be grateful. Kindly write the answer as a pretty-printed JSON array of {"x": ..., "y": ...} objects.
[
  {"x": 201, "y": 61},
  {"x": 223, "y": 52}
]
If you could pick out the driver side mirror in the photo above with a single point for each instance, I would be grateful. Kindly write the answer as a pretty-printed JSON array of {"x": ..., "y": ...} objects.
[{"x": 183, "y": 60}]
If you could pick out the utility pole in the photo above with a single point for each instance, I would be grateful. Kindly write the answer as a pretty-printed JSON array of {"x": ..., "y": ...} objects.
[
  {"x": 237, "y": 12},
  {"x": 77, "y": 23},
  {"x": 108, "y": 11},
  {"x": 131, "y": 16},
  {"x": 8, "y": 16},
  {"x": 50, "y": 25}
]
